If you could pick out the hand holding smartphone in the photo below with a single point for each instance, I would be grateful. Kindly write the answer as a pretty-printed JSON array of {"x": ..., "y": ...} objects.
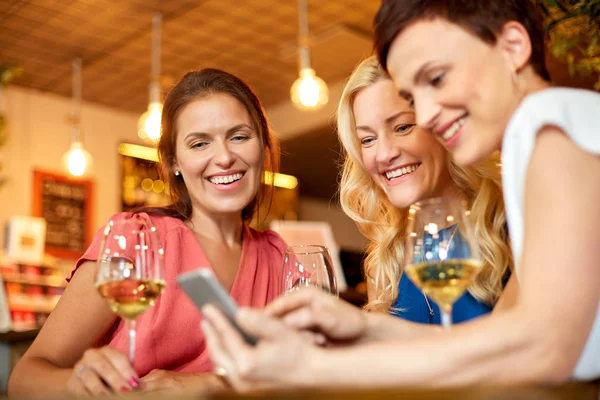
[{"x": 202, "y": 288}]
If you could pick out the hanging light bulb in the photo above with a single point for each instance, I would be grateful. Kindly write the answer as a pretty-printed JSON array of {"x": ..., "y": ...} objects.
[
  {"x": 309, "y": 92},
  {"x": 77, "y": 161},
  {"x": 149, "y": 122}
]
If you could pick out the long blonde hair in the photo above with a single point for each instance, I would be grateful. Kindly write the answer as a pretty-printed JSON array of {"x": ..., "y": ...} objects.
[{"x": 383, "y": 224}]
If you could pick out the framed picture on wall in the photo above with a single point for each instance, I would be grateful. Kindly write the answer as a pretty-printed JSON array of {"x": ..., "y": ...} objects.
[{"x": 67, "y": 206}]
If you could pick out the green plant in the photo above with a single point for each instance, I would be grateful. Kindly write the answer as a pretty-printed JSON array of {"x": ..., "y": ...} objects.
[
  {"x": 574, "y": 30},
  {"x": 7, "y": 74}
]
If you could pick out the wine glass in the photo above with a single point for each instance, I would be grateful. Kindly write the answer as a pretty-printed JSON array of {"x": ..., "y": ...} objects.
[
  {"x": 441, "y": 254},
  {"x": 130, "y": 273},
  {"x": 308, "y": 265}
]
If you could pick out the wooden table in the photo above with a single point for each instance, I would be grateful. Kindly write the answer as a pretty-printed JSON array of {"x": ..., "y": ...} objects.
[{"x": 570, "y": 391}]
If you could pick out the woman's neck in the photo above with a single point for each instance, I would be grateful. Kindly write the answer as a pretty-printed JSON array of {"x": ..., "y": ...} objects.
[
  {"x": 532, "y": 82},
  {"x": 452, "y": 191},
  {"x": 224, "y": 228},
  {"x": 448, "y": 188}
]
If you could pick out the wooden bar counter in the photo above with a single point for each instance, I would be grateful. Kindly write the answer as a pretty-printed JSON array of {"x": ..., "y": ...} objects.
[{"x": 571, "y": 391}]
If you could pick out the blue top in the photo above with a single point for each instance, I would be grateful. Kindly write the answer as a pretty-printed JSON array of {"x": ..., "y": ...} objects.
[
  {"x": 413, "y": 306},
  {"x": 411, "y": 302}
]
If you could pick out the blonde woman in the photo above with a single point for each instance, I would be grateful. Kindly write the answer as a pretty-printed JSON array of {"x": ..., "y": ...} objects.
[{"x": 391, "y": 163}]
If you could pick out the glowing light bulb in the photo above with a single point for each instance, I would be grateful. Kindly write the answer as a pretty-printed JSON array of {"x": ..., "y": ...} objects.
[
  {"x": 309, "y": 92},
  {"x": 149, "y": 122},
  {"x": 77, "y": 161}
]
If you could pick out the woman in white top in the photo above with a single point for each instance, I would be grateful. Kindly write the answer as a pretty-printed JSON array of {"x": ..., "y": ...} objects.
[{"x": 474, "y": 70}]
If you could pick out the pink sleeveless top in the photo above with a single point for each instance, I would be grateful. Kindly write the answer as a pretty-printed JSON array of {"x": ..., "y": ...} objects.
[{"x": 168, "y": 334}]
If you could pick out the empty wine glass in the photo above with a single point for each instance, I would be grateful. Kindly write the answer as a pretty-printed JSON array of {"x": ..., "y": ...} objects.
[
  {"x": 130, "y": 274},
  {"x": 308, "y": 265},
  {"x": 441, "y": 253}
]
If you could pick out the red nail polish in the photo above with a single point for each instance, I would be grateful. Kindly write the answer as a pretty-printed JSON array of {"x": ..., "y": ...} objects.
[{"x": 134, "y": 382}]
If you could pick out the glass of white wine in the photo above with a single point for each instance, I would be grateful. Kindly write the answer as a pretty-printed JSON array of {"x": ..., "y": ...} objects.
[
  {"x": 441, "y": 254},
  {"x": 130, "y": 273},
  {"x": 308, "y": 265}
]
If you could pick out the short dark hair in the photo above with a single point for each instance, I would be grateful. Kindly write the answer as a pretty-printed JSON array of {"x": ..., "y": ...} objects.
[{"x": 482, "y": 18}]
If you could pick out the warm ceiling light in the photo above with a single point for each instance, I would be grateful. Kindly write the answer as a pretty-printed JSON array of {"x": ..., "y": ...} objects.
[
  {"x": 281, "y": 180},
  {"x": 137, "y": 151},
  {"x": 77, "y": 161},
  {"x": 149, "y": 122},
  {"x": 309, "y": 92}
]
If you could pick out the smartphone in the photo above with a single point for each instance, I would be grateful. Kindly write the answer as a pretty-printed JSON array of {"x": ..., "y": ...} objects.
[{"x": 202, "y": 288}]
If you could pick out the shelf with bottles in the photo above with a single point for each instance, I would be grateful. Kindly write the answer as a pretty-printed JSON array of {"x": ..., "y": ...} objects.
[
  {"x": 30, "y": 292},
  {"x": 53, "y": 281}
]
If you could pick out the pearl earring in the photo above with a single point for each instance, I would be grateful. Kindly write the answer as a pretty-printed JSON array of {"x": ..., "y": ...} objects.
[{"x": 177, "y": 173}]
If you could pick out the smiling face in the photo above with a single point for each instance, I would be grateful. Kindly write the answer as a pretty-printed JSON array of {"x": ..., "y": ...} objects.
[
  {"x": 404, "y": 160},
  {"x": 462, "y": 88},
  {"x": 219, "y": 154}
]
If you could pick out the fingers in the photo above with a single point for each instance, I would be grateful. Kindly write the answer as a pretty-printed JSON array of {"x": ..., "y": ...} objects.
[
  {"x": 152, "y": 380},
  {"x": 104, "y": 370},
  {"x": 76, "y": 387},
  {"x": 228, "y": 349},
  {"x": 316, "y": 311},
  {"x": 220, "y": 357},
  {"x": 231, "y": 341},
  {"x": 305, "y": 318},
  {"x": 309, "y": 309},
  {"x": 161, "y": 380},
  {"x": 316, "y": 338},
  {"x": 214, "y": 339},
  {"x": 153, "y": 375},
  {"x": 259, "y": 324},
  {"x": 91, "y": 382},
  {"x": 264, "y": 365},
  {"x": 288, "y": 303},
  {"x": 126, "y": 375}
]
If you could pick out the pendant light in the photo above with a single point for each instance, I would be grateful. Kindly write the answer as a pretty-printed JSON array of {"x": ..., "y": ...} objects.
[
  {"x": 149, "y": 122},
  {"x": 309, "y": 92},
  {"x": 77, "y": 161}
]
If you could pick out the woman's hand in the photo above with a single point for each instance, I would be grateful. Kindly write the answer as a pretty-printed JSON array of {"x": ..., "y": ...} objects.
[
  {"x": 101, "y": 372},
  {"x": 161, "y": 380},
  {"x": 312, "y": 309},
  {"x": 281, "y": 358}
]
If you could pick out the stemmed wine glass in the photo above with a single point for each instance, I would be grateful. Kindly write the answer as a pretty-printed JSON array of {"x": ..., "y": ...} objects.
[
  {"x": 441, "y": 255},
  {"x": 130, "y": 273},
  {"x": 308, "y": 265}
]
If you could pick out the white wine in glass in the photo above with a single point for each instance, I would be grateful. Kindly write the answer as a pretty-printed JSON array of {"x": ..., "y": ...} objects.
[
  {"x": 130, "y": 272},
  {"x": 441, "y": 254}
]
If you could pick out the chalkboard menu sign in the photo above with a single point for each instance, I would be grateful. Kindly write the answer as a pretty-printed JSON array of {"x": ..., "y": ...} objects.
[{"x": 66, "y": 204}]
